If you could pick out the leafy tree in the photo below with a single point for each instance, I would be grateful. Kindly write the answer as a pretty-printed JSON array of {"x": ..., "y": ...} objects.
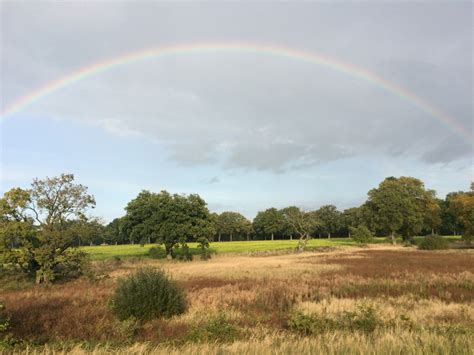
[
  {"x": 352, "y": 217},
  {"x": 450, "y": 223},
  {"x": 462, "y": 206},
  {"x": 362, "y": 235},
  {"x": 115, "y": 233},
  {"x": 399, "y": 205},
  {"x": 269, "y": 223},
  {"x": 232, "y": 224},
  {"x": 330, "y": 219},
  {"x": 167, "y": 219},
  {"x": 37, "y": 225},
  {"x": 303, "y": 223},
  {"x": 433, "y": 213}
]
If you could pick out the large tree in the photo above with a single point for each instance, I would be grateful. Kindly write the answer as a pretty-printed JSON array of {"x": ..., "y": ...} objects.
[
  {"x": 167, "y": 219},
  {"x": 37, "y": 228},
  {"x": 399, "y": 205}
]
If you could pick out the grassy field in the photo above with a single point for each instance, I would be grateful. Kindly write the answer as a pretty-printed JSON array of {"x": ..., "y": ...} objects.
[
  {"x": 345, "y": 300},
  {"x": 103, "y": 252}
]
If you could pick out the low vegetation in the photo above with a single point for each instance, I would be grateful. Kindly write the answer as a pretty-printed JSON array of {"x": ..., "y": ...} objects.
[
  {"x": 147, "y": 294},
  {"x": 376, "y": 298}
]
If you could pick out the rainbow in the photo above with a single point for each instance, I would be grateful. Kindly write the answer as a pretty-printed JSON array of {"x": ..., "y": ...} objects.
[{"x": 216, "y": 47}]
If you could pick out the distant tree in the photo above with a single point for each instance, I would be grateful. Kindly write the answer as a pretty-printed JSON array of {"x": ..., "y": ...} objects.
[
  {"x": 330, "y": 219},
  {"x": 450, "y": 223},
  {"x": 268, "y": 223},
  {"x": 462, "y": 206},
  {"x": 352, "y": 217},
  {"x": 399, "y": 205},
  {"x": 167, "y": 219},
  {"x": 38, "y": 224},
  {"x": 232, "y": 224},
  {"x": 303, "y": 223},
  {"x": 433, "y": 212},
  {"x": 362, "y": 235},
  {"x": 115, "y": 233}
]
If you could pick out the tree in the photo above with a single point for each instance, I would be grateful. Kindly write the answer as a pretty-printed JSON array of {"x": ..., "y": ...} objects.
[
  {"x": 462, "y": 206},
  {"x": 167, "y": 219},
  {"x": 303, "y": 223},
  {"x": 268, "y": 223},
  {"x": 46, "y": 213},
  {"x": 433, "y": 212},
  {"x": 361, "y": 235},
  {"x": 232, "y": 224},
  {"x": 352, "y": 217},
  {"x": 115, "y": 233},
  {"x": 330, "y": 220},
  {"x": 399, "y": 205}
]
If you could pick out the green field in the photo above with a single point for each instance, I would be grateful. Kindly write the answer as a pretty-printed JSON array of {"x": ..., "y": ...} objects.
[{"x": 103, "y": 252}]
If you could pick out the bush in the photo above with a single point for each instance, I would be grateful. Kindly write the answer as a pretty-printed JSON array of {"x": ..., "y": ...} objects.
[
  {"x": 4, "y": 321},
  {"x": 72, "y": 264},
  {"x": 361, "y": 234},
  {"x": 364, "y": 319},
  {"x": 148, "y": 294},
  {"x": 433, "y": 242},
  {"x": 203, "y": 245},
  {"x": 156, "y": 253},
  {"x": 217, "y": 329}
]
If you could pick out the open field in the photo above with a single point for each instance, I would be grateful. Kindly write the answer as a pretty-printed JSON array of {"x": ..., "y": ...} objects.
[
  {"x": 380, "y": 299},
  {"x": 103, "y": 252}
]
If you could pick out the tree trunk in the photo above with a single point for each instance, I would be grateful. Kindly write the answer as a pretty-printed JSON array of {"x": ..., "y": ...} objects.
[
  {"x": 230, "y": 236},
  {"x": 392, "y": 235},
  {"x": 219, "y": 237},
  {"x": 432, "y": 231},
  {"x": 329, "y": 235},
  {"x": 169, "y": 252},
  {"x": 319, "y": 235},
  {"x": 272, "y": 236},
  {"x": 248, "y": 237},
  {"x": 291, "y": 236}
]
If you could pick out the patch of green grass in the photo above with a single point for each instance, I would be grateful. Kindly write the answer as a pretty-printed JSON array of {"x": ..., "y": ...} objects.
[{"x": 104, "y": 252}]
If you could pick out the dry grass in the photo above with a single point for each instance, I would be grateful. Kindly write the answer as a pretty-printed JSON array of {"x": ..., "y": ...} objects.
[{"x": 435, "y": 290}]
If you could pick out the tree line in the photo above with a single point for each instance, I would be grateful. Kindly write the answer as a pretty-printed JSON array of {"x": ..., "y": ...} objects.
[
  {"x": 40, "y": 226},
  {"x": 397, "y": 207}
]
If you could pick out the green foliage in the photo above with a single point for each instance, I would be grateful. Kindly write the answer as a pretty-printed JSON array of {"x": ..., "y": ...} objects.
[
  {"x": 364, "y": 319},
  {"x": 183, "y": 253},
  {"x": 217, "y": 329},
  {"x": 148, "y": 294},
  {"x": 433, "y": 242},
  {"x": 233, "y": 225},
  {"x": 401, "y": 205},
  {"x": 4, "y": 320},
  {"x": 330, "y": 219},
  {"x": 203, "y": 246},
  {"x": 167, "y": 219},
  {"x": 39, "y": 225},
  {"x": 269, "y": 223},
  {"x": 361, "y": 235},
  {"x": 156, "y": 252}
]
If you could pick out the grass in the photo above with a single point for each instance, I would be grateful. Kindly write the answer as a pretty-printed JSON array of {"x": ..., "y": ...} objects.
[
  {"x": 104, "y": 252},
  {"x": 379, "y": 299}
]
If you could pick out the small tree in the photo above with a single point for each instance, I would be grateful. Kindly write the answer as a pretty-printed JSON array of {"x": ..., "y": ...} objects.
[
  {"x": 361, "y": 235},
  {"x": 303, "y": 223}
]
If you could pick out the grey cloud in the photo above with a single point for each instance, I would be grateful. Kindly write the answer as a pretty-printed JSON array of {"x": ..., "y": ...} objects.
[{"x": 250, "y": 111}]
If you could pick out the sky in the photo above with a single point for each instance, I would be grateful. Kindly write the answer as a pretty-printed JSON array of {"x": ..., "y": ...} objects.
[{"x": 245, "y": 130}]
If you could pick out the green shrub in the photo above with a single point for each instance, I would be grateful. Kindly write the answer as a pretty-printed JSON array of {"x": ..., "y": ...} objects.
[
  {"x": 156, "y": 253},
  {"x": 217, "y": 329},
  {"x": 4, "y": 321},
  {"x": 364, "y": 319},
  {"x": 148, "y": 294},
  {"x": 72, "y": 264},
  {"x": 361, "y": 235},
  {"x": 183, "y": 253},
  {"x": 203, "y": 245},
  {"x": 433, "y": 242}
]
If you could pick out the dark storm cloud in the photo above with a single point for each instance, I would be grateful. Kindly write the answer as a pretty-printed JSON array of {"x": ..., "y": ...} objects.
[{"x": 252, "y": 111}]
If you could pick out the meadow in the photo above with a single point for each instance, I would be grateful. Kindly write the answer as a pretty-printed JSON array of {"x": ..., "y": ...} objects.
[
  {"x": 103, "y": 252},
  {"x": 269, "y": 299}
]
